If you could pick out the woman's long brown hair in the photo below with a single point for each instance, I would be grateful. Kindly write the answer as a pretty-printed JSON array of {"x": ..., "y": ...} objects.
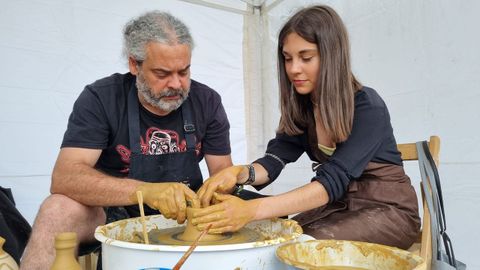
[{"x": 336, "y": 86}]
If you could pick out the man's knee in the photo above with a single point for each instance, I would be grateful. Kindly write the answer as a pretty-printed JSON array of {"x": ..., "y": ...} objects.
[{"x": 57, "y": 205}]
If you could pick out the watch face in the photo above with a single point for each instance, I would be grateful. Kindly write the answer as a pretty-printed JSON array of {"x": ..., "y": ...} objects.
[
  {"x": 237, "y": 190},
  {"x": 251, "y": 175}
]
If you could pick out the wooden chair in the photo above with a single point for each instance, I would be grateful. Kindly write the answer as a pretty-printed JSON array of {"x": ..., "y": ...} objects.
[
  {"x": 88, "y": 261},
  {"x": 423, "y": 246}
]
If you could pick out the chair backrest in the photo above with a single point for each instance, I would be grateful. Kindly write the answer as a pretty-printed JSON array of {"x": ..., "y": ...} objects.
[{"x": 409, "y": 152}]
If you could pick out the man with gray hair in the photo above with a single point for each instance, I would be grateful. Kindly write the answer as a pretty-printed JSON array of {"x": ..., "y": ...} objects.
[{"x": 145, "y": 130}]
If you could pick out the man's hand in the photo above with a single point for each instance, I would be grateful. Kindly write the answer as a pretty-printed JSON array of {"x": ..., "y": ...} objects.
[
  {"x": 169, "y": 198},
  {"x": 222, "y": 182},
  {"x": 229, "y": 215}
]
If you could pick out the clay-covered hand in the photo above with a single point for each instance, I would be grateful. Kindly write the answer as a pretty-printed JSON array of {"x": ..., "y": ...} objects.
[
  {"x": 222, "y": 182},
  {"x": 169, "y": 198},
  {"x": 229, "y": 215}
]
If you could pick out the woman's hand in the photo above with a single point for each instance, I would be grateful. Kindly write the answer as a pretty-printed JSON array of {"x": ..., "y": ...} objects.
[
  {"x": 222, "y": 182},
  {"x": 229, "y": 215}
]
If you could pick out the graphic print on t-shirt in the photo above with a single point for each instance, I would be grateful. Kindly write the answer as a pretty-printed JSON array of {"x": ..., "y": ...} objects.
[
  {"x": 156, "y": 142},
  {"x": 160, "y": 142}
]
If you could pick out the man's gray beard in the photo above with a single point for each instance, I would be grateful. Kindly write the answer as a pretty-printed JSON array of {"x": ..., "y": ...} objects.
[{"x": 158, "y": 102}]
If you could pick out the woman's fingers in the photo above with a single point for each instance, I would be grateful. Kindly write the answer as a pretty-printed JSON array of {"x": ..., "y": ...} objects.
[
  {"x": 219, "y": 226},
  {"x": 222, "y": 197},
  {"x": 222, "y": 230},
  {"x": 207, "y": 197},
  {"x": 207, "y": 215}
]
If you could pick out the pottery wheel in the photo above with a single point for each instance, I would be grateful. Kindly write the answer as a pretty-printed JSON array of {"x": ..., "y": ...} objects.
[{"x": 172, "y": 236}]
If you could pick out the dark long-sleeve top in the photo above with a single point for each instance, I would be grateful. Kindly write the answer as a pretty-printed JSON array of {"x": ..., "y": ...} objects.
[{"x": 371, "y": 140}]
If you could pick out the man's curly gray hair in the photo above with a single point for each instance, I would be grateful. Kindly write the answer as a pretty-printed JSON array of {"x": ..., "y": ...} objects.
[{"x": 154, "y": 26}]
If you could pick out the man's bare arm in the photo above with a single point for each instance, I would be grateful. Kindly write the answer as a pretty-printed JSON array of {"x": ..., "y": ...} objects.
[{"x": 74, "y": 175}]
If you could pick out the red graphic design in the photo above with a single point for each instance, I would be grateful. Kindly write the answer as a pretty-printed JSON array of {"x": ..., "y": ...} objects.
[{"x": 156, "y": 142}]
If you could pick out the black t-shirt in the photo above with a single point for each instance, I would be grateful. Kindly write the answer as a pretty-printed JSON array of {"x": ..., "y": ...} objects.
[{"x": 99, "y": 121}]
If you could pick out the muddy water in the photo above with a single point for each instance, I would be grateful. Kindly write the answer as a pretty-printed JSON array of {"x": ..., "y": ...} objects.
[{"x": 173, "y": 236}]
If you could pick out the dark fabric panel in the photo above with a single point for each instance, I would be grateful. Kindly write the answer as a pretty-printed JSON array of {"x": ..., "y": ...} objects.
[{"x": 13, "y": 226}]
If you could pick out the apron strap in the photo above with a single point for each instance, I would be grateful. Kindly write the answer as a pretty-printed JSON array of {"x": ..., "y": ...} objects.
[
  {"x": 133, "y": 120},
  {"x": 188, "y": 126}
]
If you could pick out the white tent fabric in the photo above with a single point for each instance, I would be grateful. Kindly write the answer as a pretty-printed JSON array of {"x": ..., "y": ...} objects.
[
  {"x": 423, "y": 59},
  {"x": 52, "y": 49},
  {"x": 421, "y": 56}
]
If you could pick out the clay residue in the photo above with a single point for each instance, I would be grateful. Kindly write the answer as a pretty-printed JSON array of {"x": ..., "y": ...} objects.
[
  {"x": 166, "y": 232},
  {"x": 332, "y": 254},
  {"x": 278, "y": 231}
]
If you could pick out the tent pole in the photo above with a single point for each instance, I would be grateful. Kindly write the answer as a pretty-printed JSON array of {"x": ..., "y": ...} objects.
[{"x": 216, "y": 6}]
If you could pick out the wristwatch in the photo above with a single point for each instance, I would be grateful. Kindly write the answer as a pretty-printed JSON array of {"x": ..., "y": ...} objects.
[
  {"x": 251, "y": 175},
  {"x": 236, "y": 191}
]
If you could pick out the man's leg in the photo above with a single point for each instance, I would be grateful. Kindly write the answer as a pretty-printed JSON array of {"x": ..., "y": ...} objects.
[{"x": 58, "y": 213}]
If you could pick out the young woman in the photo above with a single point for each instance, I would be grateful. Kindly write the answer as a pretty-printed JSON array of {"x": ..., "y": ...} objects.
[{"x": 359, "y": 190}]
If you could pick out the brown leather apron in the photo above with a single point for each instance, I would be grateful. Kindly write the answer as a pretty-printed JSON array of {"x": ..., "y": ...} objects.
[{"x": 380, "y": 207}]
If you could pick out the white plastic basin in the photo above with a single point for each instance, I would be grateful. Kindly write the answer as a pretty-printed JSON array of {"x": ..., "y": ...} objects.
[{"x": 124, "y": 255}]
